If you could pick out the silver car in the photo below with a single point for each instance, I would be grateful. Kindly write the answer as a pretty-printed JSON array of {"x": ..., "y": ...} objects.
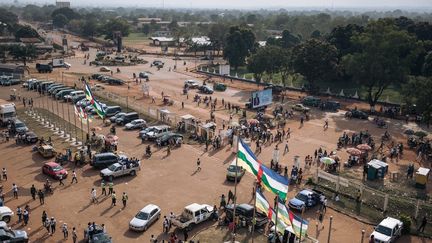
[{"x": 145, "y": 217}]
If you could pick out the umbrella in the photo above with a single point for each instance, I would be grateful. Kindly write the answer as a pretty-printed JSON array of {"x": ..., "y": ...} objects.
[
  {"x": 112, "y": 138},
  {"x": 327, "y": 161},
  {"x": 420, "y": 134},
  {"x": 354, "y": 151},
  {"x": 234, "y": 124},
  {"x": 364, "y": 147},
  {"x": 253, "y": 121}
]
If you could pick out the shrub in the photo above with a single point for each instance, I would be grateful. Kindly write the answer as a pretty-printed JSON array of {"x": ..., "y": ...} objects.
[{"x": 406, "y": 220}]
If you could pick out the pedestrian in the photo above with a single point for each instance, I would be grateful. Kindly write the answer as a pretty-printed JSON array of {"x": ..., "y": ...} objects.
[
  {"x": 185, "y": 235},
  {"x": 94, "y": 196},
  {"x": 4, "y": 173},
  {"x": 153, "y": 239},
  {"x": 33, "y": 192},
  {"x": 74, "y": 235},
  {"x": 19, "y": 213},
  {"x": 60, "y": 177},
  {"x": 47, "y": 225},
  {"x": 198, "y": 165},
  {"x": 41, "y": 196},
  {"x": 44, "y": 217},
  {"x": 15, "y": 190},
  {"x": 325, "y": 124},
  {"x": 230, "y": 196},
  {"x": 423, "y": 224},
  {"x": 182, "y": 105},
  {"x": 113, "y": 199},
  {"x": 53, "y": 225},
  {"x": 286, "y": 150},
  {"x": 103, "y": 187},
  {"x": 320, "y": 218},
  {"x": 26, "y": 217},
  {"x": 74, "y": 177},
  {"x": 110, "y": 187},
  {"x": 124, "y": 199},
  {"x": 324, "y": 205},
  {"x": 65, "y": 231}
]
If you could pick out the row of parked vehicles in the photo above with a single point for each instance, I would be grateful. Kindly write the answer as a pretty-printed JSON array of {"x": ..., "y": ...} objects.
[
  {"x": 107, "y": 79},
  {"x": 9, "y": 80}
]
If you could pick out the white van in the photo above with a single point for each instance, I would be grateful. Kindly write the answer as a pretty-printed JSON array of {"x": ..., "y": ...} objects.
[{"x": 76, "y": 93}]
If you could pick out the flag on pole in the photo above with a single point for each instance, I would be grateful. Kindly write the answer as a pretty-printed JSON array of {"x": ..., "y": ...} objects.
[
  {"x": 95, "y": 103},
  {"x": 269, "y": 179},
  {"x": 296, "y": 223},
  {"x": 263, "y": 205},
  {"x": 283, "y": 214}
]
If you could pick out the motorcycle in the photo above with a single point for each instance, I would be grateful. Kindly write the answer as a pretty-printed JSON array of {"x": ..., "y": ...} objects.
[
  {"x": 113, "y": 130},
  {"x": 148, "y": 152}
]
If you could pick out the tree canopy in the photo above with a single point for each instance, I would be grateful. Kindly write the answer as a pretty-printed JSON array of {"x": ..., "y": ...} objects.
[
  {"x": 115, "y": 24},
  {"x": 422, "y": 88},
  {"x": 239, "y": 44}
]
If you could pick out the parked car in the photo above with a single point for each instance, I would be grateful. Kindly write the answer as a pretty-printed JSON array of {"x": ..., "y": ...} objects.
[
  {"x": 304, "y": 199},
  {"x": 158, "y": 63},
  {"x": 356, "y": 114},
  {"x": 31, "y": 137},
  {"x": 135, "y": 124},
  {"x": 10, "y": 236},
  {"x": 206, "y": 89},
  {"x": 115, "y": 81},
  {"x": 54, "y": 170},
  {"x": 151, "y": 133},
  {"x": 330, "y": 105},
  {"x": 389, "y": 230},
  {"x": 300, "y": 107},
  {"x": 169, "y": 138},
  {"x": 78, "y": 98},
  {"x": 46, "y": 151},
  {"x": 60, "y": 95},
  {"x": 112, "y": 110},
  {"x": 128, "y": 117},
  {"x": 143, "y": 75},
  {"x": 6, "y": 214},
  {"x": 192, "y": 215},
  {"x": 104, "y": 160},
  {"x": 145, "y": 218},
  {"x": 116, "y": 116},
  {"x": 20, "y": 127},
  {"x": 191, "y": 84},
  {"x": 311, "y": 101},
  {"x": 119, "y": 169},
  {"x": 246, "y": 212},
  {"x": 234, "y": 171},
  {"x": 105, "y": 69}
]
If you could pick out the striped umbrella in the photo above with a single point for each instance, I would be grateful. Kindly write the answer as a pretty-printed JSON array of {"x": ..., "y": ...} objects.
[
  {"x": 364, "y": 147},
  {"x": 327, "y": 161},
  {"x": 354, "y": 151}
]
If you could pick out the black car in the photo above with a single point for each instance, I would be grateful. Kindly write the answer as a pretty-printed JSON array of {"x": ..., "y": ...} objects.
[
  {"x": 115, "y": 81},
  {"x": 30, "y": 137},
  {"x": 104, "y": 160},
  {"x": 330, "y": 105},
  {"x": 112, "y": 110},
  {"x": 128, "y": 117},
  {"x": 116, "y": 116},
  {"x": 169, "y": 137},
  {"x": 357, "y": 114},
  {"x": 246, "y": 211}
]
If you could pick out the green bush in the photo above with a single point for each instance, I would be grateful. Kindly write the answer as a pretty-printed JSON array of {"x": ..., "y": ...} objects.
[{"x": 406, "y": 220}]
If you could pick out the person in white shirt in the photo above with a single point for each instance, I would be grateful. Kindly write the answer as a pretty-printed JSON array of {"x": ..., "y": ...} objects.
[{"x": 94, "y": 195}]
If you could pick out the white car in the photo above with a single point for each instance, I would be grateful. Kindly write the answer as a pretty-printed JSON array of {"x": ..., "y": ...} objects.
[
  {"x": 145, "y": 217},
  {"x": 104, "y": 69},
  {"x": 67, "y": 65},
  {"x": 137, "y": 123},
  {"x": 388, "y": 230},
  {"x": 5, "y": 214},
  {"x": 192, "y": 84}
]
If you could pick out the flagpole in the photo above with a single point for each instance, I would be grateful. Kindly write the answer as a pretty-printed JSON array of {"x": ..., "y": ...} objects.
[
  {"x": 254, "y": 212},
  {"x": 277, "y": 209},
  {"x": 88, "y": 127},
  {"x": 63, "y": 118},
  {"x": 82, "y": 132},
  {"x": 76, "y": 136},
  {"x": 301, "y": 224},
  {"x": 235, "y": 189},
  {"x": 69, "y": 123}
]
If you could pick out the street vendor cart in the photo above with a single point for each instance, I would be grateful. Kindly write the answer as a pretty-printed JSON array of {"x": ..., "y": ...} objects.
[{"x": 421, "y": 178}]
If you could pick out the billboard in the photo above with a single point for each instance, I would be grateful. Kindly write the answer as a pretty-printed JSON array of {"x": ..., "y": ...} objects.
[
  {"x": 261, "y": 98},
  {"x": 224, "y": 69}
]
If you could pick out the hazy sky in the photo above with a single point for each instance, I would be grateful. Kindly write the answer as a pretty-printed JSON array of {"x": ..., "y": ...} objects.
[{"x": 392, "y": 4}]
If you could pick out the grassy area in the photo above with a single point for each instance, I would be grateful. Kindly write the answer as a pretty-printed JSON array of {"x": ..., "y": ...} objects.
[{"x": 136, "y": 37}]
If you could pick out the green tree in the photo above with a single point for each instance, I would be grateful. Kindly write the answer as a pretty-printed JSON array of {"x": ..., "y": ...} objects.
[
  {"x": 23, "y": 53},
  {"x": 146, "y": 29},
  {"x": 116, "y": 24},
  {"x": 427, "y": 65},
  {"x": 25, "y": 31},
  {"x": 60, "y": 20},
  {"x": 289, "y": 40},
  {"x": 240, "y": 42},
  {"x": 422, "y": 88},
  {"x": 8, "y": 17},
  {"x": 341, "y": 37},
  {"x": 316, "y": 60},
  {"x": 383, "y": 57},
  {"x": 217, "y": 35},
  {"x": 90, "y": 27},
  {"x": 67, "y": 12},
  {"x": 257, "y": 64}
]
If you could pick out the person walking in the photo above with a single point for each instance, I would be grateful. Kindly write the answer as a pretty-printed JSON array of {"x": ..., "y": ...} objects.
[
  {"x": 33, "y": 192},
  {"x": 110, "y": 187},
  {"x": 19, "y": 214},
  {"x": 65, "y": 231},
  {"x": 94, "y": 196},
  {"x": 103, "y": 188},
  {"x": 423, "y": 224},
  {"x": 26, "y": 216},
  {"x": 113, "y": 199},
  {"x": 198, "y": 164},
  {"x": 74, "y": 235},
  {"x": 124, "y": 199},
  {"x": 47, "y": 225},
  {"x": 44, "y": 217},
  {"x": 53, "y": 223},
  {"x": 74, "y": 177},
  {"x": 41, "y": 196},
  {"x": 60, "y": 177},
  {"x": 4, "y": 174},
  {"x": 325, "y": 124},
  {"x": 320, "y": 218},
  {"x": 15, "y": 190},
  {"x": 286, "y": 150}
]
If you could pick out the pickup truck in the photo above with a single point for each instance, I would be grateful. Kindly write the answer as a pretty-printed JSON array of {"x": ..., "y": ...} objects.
[
  {"x": 120, "y": 169},
  {"x": 44, "y": 68},
  {"x": 388, "y": 230},
  {"x": 192, "y": 215},
  {"x": 245, "y": 211},
  {"x": 305, "y": 199}
]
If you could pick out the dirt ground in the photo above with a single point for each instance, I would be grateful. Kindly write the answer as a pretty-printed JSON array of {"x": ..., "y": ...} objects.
[{"x": 170, "y": 182}]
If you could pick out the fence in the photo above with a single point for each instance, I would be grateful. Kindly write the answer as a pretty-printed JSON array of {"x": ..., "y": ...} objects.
[{"x": 373, "y": 204}]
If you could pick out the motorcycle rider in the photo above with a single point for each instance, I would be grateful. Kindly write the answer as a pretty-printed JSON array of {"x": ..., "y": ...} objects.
[{"x": 148, "y": 150}]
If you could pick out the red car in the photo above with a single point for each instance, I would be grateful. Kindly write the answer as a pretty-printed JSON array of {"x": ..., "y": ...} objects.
[{"x": 54, "y": 170}]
